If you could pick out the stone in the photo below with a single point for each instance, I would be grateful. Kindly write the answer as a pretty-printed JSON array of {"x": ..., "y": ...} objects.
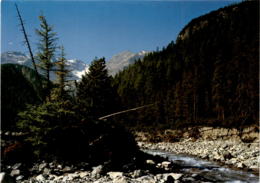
[
  {"x": 65, "y": 179},
  {"x": 59, "y": 166},
  {"x": 42, "y": 166},
  {"x": 58, "y": 178},
  {"x": 20, "y": 177},
  {"x": 16, "y": 166},
  {"x": 46, "y": 171},
  {"x": 165, "y": 164},
  {"x": 176, "y": 176},
  {"x": 13, "y": 134},
  {"x": 5, "y": 178},
  {"x": 51, "y": 165},
  {"x": 113, "y": 175},
  {"x": 40, "y": 178},
  {"x": 15, "y": 172},
  {"x": 240, "y": 165},
  {"x": 150, "y": 162},
  {"x": 52, "y": 177},
  {"x": 254, "y": 167},
  {"x": 146, "y": 179},
  {"x": 96, "y": 171},
  {"x": 66, "y": 169},
  {"x": 137, "y": 173},
  {"x": 159, "y": 165},
  {"x": 83, "y": 174},
  {"x": 72, "y": 176},
  {"x": 121, "y": 179}
]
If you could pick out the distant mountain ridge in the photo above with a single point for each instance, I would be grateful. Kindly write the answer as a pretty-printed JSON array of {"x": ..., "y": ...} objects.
[
  {"x": 117, "y": 63},
  {"x": 77, "y": 67},
  {"x": 122, "y": 60}
]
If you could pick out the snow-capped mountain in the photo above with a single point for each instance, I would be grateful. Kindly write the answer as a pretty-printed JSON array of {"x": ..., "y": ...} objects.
[
  {"x": 122, "y": 60},
  {"x": 13, "y": 57},
  {"x": 77, "y": 67}
]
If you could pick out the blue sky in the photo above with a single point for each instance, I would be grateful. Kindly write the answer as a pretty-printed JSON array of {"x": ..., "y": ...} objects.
[{"x": 89, "y": 29}]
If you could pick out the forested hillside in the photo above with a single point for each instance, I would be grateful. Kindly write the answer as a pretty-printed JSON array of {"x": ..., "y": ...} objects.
[
  {"x": 19, "y": 86},
  {"x": 208, "y": 77}
]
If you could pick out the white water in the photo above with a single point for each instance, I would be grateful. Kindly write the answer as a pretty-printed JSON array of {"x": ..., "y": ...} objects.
[{"x": 209, "y": 170}]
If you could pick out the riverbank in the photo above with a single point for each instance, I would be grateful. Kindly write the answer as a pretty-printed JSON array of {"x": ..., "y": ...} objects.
[{"x": 229, "y": 147}]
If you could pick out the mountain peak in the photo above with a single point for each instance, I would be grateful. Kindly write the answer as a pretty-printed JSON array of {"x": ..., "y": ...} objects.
[
  {"x": 78, "y": 67},
  {"x": 121, "y": 60}
]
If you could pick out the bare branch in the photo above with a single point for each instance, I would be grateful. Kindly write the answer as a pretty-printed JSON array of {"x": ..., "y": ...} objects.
[{"x": 26, "y": 39}]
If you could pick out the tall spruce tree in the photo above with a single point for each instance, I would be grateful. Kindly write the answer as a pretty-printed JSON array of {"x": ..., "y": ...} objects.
[
  {"x": 47, "y": 47},
  {"x": 95, "y": 94}
]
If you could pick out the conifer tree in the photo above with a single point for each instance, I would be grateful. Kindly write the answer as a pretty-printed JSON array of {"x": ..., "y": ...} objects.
[
  {"x": 95, "y": 94},
  {"x": 46, "y": 51},
  {"x": 62, "y": 74},
  {"x": 218, "y": 89}
]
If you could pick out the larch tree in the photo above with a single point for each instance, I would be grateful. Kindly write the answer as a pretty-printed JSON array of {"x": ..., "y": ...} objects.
[
  {"x": 62, "y": 74},
  {"x": 46, "y": 47}
]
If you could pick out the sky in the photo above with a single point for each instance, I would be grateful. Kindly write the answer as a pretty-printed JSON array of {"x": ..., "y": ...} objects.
[{"x": 89, "y": 29}]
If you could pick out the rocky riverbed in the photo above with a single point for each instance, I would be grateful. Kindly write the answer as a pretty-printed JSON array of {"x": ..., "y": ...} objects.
[
  {"x": 180, "y": 167},
  {"x": 153, "y": 172},
  {"x": 229, "y": 152}
]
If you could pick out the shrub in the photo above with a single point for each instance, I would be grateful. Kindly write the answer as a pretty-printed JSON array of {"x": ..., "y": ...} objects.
[
  {"x": 39, "y": 122},
  {"x": 56, "y": 132}
]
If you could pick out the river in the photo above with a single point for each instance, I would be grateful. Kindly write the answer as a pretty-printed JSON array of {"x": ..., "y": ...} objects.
[{"x": 210, "y": 171}]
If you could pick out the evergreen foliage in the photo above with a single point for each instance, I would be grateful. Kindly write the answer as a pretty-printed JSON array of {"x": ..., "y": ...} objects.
[
  {"x": 63, "y": 73},
  {"x": 95, "y": 95},
  {"x": 39, "y": 122},
  {"x": 208, "y": 77},
  {"x": 47, "y": 47},
  {"x": 19, "y": 86}
]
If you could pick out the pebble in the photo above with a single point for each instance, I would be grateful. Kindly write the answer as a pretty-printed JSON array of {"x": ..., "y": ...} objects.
[
  {"x": 16, "y": 165},
  {"x": 40, "y": 178},
  {"x": 114, "y": 175},
  {"x": 15, "y": 172},
  {"x": 96, "y": 171},
  {"x": 150, "y": 162},
  {"x": 20, "y": 177}
]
